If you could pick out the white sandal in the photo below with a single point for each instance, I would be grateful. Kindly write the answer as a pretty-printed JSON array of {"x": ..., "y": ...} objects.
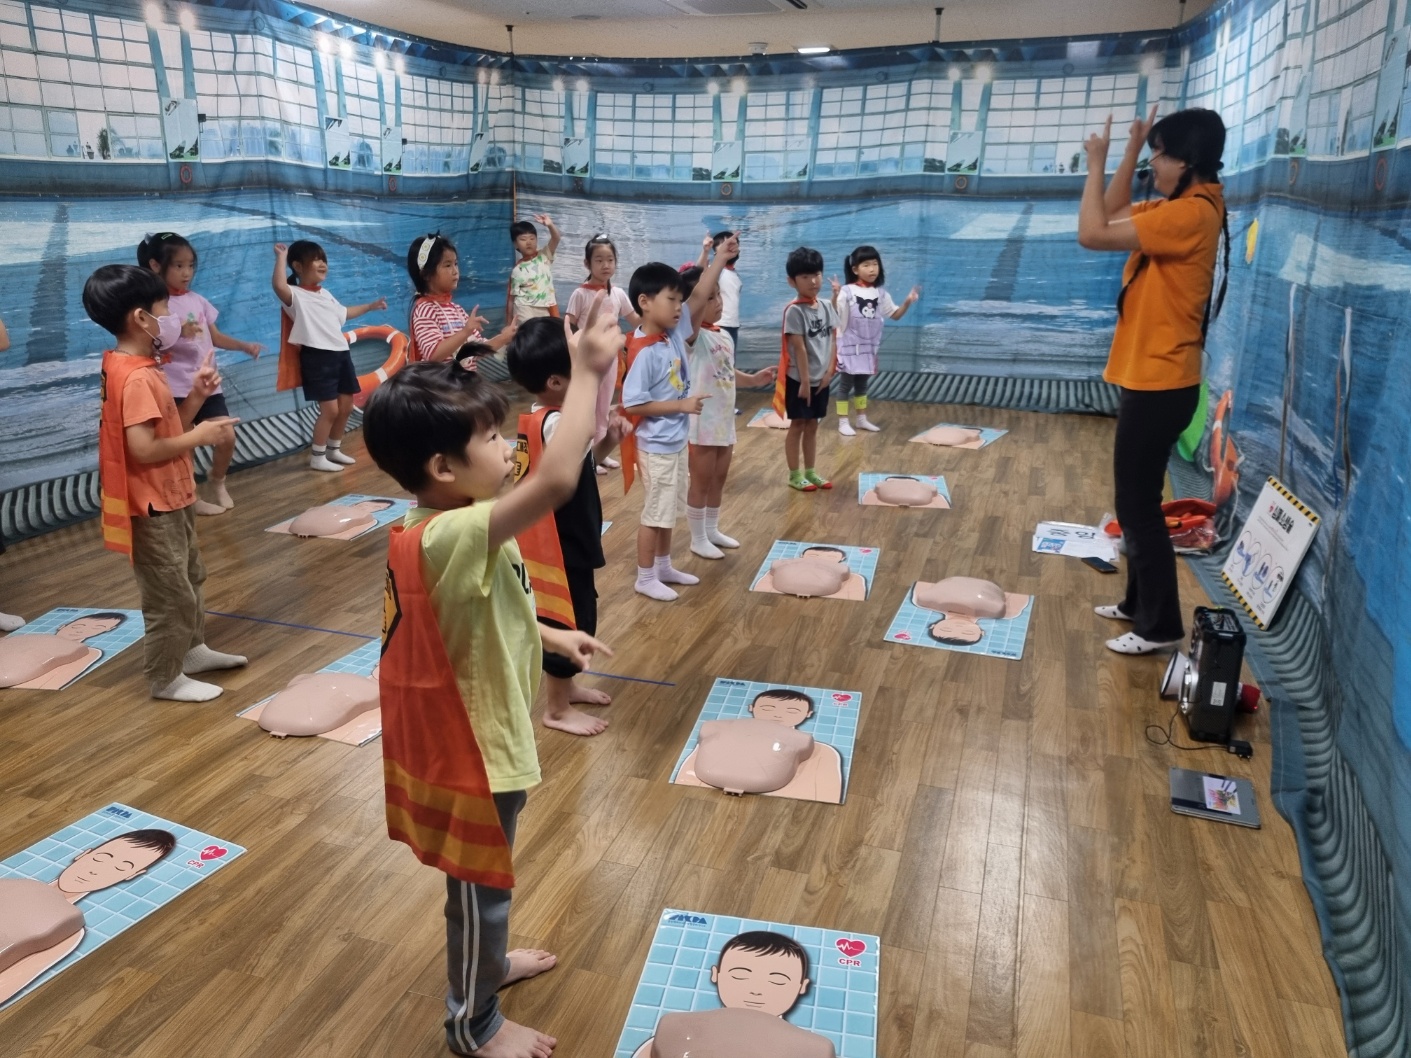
[
  {"x": 1131, "y": 643},
  {"x": 1112, "y": 612}
]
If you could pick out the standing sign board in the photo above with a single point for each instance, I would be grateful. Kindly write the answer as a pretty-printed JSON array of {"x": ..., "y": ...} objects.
[{"x": 1268, "y": 551}]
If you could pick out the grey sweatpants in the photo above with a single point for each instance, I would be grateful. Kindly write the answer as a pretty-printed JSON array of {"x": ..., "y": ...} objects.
[
  {"x": 167, "y": 563},
  {"x": 477, "y": 947}
]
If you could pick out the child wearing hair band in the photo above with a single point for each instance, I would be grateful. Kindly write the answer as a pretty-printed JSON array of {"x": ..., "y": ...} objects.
[
  {"x": 312, "y": 351},
  {"x": 174, "y": 260},
  {"x": 439, "y": 327},
  {"x": 863, "y": 304},
  {"x": 600, "y": 258}
]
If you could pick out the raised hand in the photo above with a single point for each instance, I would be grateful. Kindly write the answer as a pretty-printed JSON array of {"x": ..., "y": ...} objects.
[
  {"x": 191, "y": 328},
  {"x": 1140, "y": 129},
  {"x": 280, "y": 249},
  {"x": 837, "y": 287},
  {"x": 252, "y": 350},
  {"x": 730, "y": 247},
  {"x": 214, "y": 431},
  {"x": 1097, "y": 145},
  {"x": 914, "y": 296},
  {"x": 378, "y": 305},
  {"x": 618, "y": 428},
  {"x": 207, "y": 378}
]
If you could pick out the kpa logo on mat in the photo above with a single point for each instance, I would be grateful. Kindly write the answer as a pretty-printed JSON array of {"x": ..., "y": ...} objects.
[{"x": 690, "y": 920}]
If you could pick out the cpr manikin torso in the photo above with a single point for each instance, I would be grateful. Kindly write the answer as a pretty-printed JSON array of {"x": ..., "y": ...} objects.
[
  {"x": 967, "y": 596},
  {"x": 774, "y": 421},
  {"x": 749, "y": 755},
  {"x": 35, "y": 917},
  {"x": 318, "y": 702},
  {"x": 735, "y": 1033},
  {"x": 950, "y": 436},
  {"x": 330, "y": 520},
  {"x": 906, "y": 492},
  {"x": 809, "y": 576},
  {"x": 25, "y": 658}
]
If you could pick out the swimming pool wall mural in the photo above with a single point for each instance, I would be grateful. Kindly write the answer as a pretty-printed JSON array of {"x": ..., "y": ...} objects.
[{"x": 250, "y": 121}]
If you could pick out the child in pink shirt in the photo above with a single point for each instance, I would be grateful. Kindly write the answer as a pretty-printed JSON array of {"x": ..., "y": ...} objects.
[{"x": 600, "y": 258}]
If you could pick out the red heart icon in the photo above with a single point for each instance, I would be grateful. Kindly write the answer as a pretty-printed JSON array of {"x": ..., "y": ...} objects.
[
  {"x": 851, "y": 948},
  {"x": 842, "y": 697},
  {"x": 865, "y": 550},
  {"x": 903, "y": 635},
  {"x": 212, "y": 852}
]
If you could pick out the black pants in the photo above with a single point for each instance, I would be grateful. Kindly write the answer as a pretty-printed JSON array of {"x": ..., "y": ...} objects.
[
  {"x": 1148, "y": 424},
  {"x": 584, "y": 593}
]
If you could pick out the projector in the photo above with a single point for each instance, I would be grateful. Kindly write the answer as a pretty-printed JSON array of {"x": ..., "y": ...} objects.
[{"x": 1207, "y": 683}]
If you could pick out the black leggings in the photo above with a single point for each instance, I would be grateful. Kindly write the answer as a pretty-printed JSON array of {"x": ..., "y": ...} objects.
[
  {"x": 1148, "y": 424},
  {"x": 584, "y": 593}
]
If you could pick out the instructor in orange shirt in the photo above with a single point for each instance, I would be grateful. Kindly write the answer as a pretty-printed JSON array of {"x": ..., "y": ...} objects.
[{"x": 1164, "y": 309}]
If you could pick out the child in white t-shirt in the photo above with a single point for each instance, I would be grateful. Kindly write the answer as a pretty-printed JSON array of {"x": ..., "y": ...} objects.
[
  {"x": 600, "y": 258},
  {"x": 314, "y": 353}
]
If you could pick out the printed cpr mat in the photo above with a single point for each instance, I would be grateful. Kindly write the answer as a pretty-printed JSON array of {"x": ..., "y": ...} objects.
[
  {"x": 984, "y": 436},
  {"x": 995, "y": 637},
  {"x": 867, "y": 491},
  {"x": 384, "y": 511},
  {"x": 364, "y": 727},
  {"x": 861, "y": 561},
  {"x": 90, "y": 637}
]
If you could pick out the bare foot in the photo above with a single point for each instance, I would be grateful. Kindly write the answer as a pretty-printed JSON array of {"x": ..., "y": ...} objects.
[
  {"x": 588, "y": 695},
  {"x": 514, "y": 1040},
  {"x": 575, "y": 722},
  {"x": 529, "y": 962}
]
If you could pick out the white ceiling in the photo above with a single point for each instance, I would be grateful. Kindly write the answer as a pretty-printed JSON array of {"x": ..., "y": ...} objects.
[{"x": 596, "y": 10}]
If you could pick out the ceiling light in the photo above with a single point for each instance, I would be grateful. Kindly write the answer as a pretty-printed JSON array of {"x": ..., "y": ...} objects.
[
  {"x": 187, "y": 20},
  {"x": 153, "y": 14},
  {"x": 814, "y": 49}
]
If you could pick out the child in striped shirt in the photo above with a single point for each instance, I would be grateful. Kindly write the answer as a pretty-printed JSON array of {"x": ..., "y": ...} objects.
[{"x": 440, "y": 327}]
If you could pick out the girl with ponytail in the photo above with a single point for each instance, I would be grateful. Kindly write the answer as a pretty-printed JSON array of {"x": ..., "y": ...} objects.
[{"x": 1164, "y": 308}]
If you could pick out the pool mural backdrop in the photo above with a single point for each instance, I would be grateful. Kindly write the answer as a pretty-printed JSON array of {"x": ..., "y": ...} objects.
[{"x": 962, "y": 162}]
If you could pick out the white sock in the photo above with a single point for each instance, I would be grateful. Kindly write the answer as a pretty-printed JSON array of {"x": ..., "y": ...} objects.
[
  {"x": 318, "y": 450},
  {"x": 667, "y": 574},
  {"x": 9, "y": 622},
  {"x": 203, "y": 659},
  {"x": 320, "y": 461},
  {"x": 700, "y": 540},
  {"x": 648, "y": 585},
  {"x": 713, "y": 533},
  {"x": 185, "y": 689},
  {"x": 337, "y": 455}
]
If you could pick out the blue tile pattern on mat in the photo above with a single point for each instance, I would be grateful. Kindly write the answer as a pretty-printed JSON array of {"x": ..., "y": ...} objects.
[
  {"x": 840, "y": 1004},
  {"x": 861, "y": 560},
  {"x": 1003, "y": 637},
  {"x": 108, "y": 912},
  {"x": 834, "y": 719},
  {"x": 110, "y": 643},
  {"x": 869, "y": 480},
  {"x": 988, "y": 435},
  {"x": 386, "y": 516}
]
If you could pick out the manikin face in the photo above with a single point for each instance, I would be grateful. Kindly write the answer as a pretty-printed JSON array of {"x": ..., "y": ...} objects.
[
  {"x": 753, "y": 981},
  {"x": 81, "y": 628},
  {"x": 447, "y": 275},
  {"x": 310, "y": 273},
  {"x": 790, "y": 712},
  {"x": 110, "y": 863},
  {"x": 602, "y": 264},
  {"x": 1165, "y": 170},
  {"x": 823, "y": 554},
  {"x": 527, "y": 244},
  {"x": 369, "y": 506},
  {"x": 808, "y": 285},
  {"x": 957, "y": 628},
  {"x": 180, "y": 271},
  {"x": 868, "y": 271},
  {"x": 661, "y": 310},
  {"x": 484, "y": 471}
]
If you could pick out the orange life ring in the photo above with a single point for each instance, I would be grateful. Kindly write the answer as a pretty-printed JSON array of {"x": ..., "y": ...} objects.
[
  {"x": 1224, "y": 457},
  {"x": 396, "y": 358}
]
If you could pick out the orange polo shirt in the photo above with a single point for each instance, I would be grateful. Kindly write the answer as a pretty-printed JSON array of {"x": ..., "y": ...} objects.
[{"x": 1158, "y": 344}]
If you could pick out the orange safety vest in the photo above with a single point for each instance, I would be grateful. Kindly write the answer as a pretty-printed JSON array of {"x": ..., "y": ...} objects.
[
  {"x": 539, "y": 544},
  {"x": 290, "y": 375},
  {"x": 112, "y": 450},
  {"x": 635, "y": 344},
  {"x": 438, "y": 794},
  {"x": 780, "y": 404}
]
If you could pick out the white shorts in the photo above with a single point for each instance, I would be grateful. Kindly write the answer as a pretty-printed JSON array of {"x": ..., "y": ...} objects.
[{"x": 665, "y": 476}]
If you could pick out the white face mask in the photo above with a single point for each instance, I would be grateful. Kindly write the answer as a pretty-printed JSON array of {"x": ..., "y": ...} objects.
[{"x": 168, "y": 331}]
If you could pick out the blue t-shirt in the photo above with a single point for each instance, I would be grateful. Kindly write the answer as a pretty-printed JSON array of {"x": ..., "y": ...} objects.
[{"x": 659, "y": 373}]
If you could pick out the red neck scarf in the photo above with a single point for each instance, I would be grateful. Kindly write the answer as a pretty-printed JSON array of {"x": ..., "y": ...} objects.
[
  {"x": 590, "y": 285},
  {"x": 863, "y": 283},
  {"x": 440, "y": 299},
  {"x": 172, "y": 292}
]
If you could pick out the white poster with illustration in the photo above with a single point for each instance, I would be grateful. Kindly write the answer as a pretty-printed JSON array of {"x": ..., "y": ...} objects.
[{"x": 1268, "y": 551}]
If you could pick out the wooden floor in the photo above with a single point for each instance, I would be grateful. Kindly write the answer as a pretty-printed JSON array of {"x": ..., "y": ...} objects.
[{"x": 1006, "y": 829}]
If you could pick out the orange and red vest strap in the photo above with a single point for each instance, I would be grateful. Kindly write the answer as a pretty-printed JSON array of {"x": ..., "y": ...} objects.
[
  {"x": 780, "y": 404},
  {"x": 290, "y": 375},
  {"x": 635, "y": 344},
  {"x": 439, "y": 800},
  {"x": 112, "y": 451},
  {"x": 539, "y": 545}
]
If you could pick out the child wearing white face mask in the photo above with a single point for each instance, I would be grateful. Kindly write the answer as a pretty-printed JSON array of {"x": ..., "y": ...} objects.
[{"x": 144, "y": 466}]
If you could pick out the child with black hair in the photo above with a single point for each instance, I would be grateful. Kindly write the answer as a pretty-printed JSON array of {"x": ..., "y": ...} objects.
[
  {"x": 655, "y": 392},
  {"x": 461, "y": 656},
  {"x": 808, "y": 359},
  {"x": 531, "y": 286},
  {"x": 439, "y": 327},
  {"x": 862, "y": 304},
  {"x": 600, "y": 258},
  {"x": 174, "y": 259},
  {"x": 568, "y": 547},
  {"x": 148, "y": 489},
  {"x": 313, "y": 352},
  {"x": 712, "y": 432},
  {"x": 730, "y": 287}
]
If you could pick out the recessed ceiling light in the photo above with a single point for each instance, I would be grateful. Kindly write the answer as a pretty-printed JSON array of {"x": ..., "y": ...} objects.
[{"x": 814, "y": 49}]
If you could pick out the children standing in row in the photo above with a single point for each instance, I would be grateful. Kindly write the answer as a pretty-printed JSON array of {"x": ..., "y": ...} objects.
[
  {"x": 862, "y": 305},
  {"x": 439, "y": 327},
  {"x": 149, "y": 491},
  {"x": 461, "y": 656},
  {"x": 655, "y": 390},
  {"x": 600, "y": 258},
  {"x": 712, "y": 432},
  {"x": 808, "y": 359},
  {"x": 174, "y": 259},
  {"x": 313, "y": 352},
  {"x": 531, "y": 286}
]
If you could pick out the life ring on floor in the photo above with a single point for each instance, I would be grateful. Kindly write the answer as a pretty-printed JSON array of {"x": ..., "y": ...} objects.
[
  {"x": 1224, "y": 457},
  {"x": 396, "y": 357}
]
